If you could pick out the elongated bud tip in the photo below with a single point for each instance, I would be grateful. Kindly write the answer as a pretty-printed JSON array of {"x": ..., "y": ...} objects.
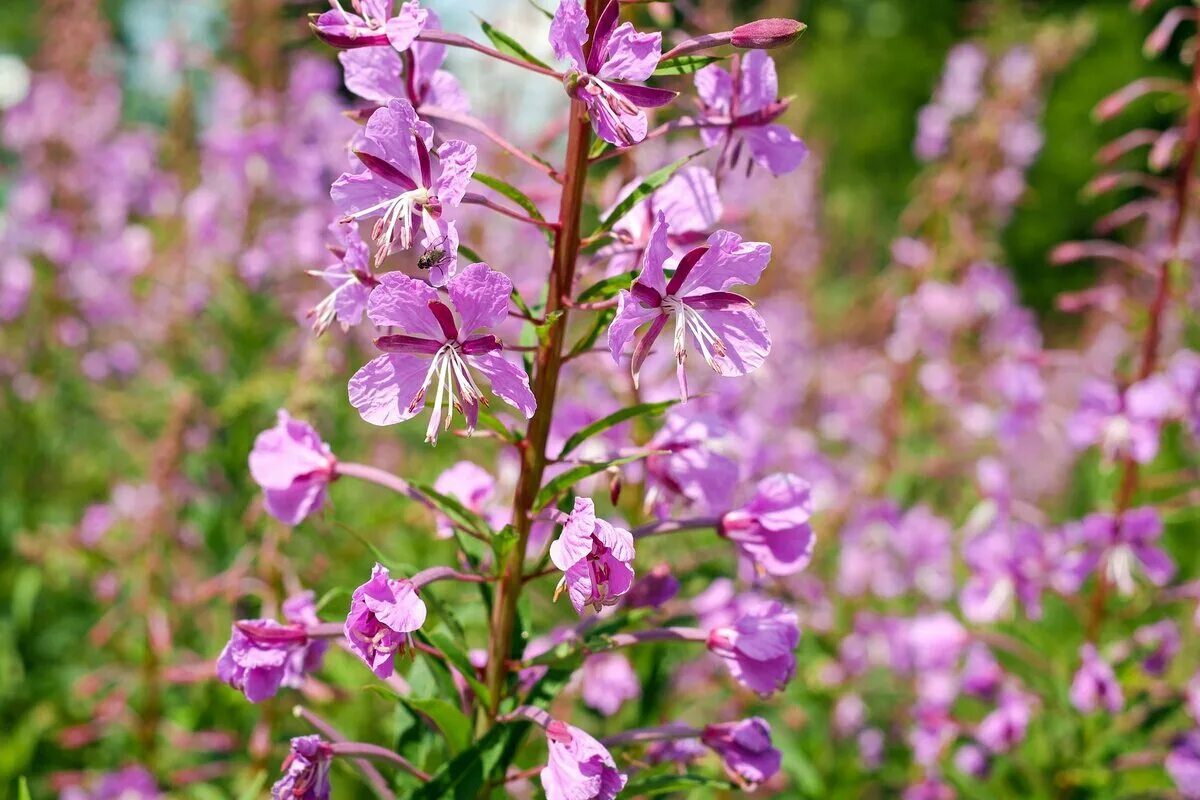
[{"x": 766, "y": 34}]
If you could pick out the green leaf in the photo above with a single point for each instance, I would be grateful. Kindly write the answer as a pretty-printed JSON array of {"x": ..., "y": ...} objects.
[
  {"x": 471, "y": 255},
  {"x": 457, "y": 656},
  {"x": 520, "y": 303},
  {"x": 599, "y": 148},
  {"x": 23, "y": 789},
  {"x": 463, "y": 776},
  {"x": 518, "y": 197},
  {"x": 616, "y": 418},
  {"x": 510, "y": 46},
  {"x": 644, "y": 189},
  {"x": 607, "y": 288},
  {"x": 330, "y": 596},
  {"x": 455, "y": 727},
  {"x": 683, "y": 65},
  {"x": 564, "y": 481},
  {"x": 456, "y": 511},
  {"x": 650, "y": 785},
  {"x": 600, "y": 322},
  {"x": 504, "y": 541},
  {"x": 543, "y": 330},
  {"x": 255, "y": 787},
  {"x": 545, "y": 12},
  {"x": 490, "y": 421}
]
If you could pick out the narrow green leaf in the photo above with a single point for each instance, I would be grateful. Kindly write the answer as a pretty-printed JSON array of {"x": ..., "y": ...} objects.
[
  {"x": 253, "y": 789},
  {"x": 456, "y": 511},
  {"x": 520, "y": 303},
  {"x": 518, "y": 197},
  {"x": 492, "y": 423},
  {"x": 503, "y": 542},
  {"x": 470, "y": 254},
  {"x": 599, "y": 324},
  {"x": 455, "y": 727},
  {"x": 616, "y": 418},
  {"x": 543, "y": 330},
  {"x": 457, "y": 656},
  {"x": 683, "y": 65},
  {"x": 644, "y": 189},
  {"x": 23, "y": 789},
  {"x": 563, "y": 482},
  {"x": 510, "y": 46},
  {"x": 463, "y": 776},
  {"x": 545, "y": 12},
  {"x": 330, "y": 596},
  {"x": 607, "y": 288},
  {"x": 599, "y": 148}
]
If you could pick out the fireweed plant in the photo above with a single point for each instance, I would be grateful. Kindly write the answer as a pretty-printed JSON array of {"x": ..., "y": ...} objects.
[{"x": 445, "y": 352}]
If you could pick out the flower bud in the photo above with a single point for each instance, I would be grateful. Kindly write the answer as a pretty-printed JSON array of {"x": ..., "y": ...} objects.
[{"x": 767, "y": 34}]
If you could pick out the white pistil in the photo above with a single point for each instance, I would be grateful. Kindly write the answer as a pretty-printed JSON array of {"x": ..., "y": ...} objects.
[
  {"x": 689, "y": 320},
  {"x": 452, "y": 373},
  {"x": 1120, "y": 569},
  {"x": 398, "y": 210}
]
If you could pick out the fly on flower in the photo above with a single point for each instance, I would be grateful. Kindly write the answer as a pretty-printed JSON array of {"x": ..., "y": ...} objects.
[
  {"x": 401, "y": 189},
  {"x": 730, "y": 335},
  {"x": 438, "y": 344}
]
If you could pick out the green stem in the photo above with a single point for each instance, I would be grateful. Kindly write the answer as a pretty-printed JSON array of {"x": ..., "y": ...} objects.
[{"x": 547, "y": 366}]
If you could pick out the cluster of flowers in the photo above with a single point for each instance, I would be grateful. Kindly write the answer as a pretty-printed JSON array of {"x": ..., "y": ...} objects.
[{"x": 440, "y": 340}]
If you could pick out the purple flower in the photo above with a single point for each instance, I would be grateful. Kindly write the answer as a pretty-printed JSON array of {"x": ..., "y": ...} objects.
[
  {"x": 888, "y": 553},
  {"x": 1095, "y": 686},
  {"x": 401, "y": 187},
  {"x": 595, "y": 558},
  {"x": 930, "y": 788},
  {"x": 350, "y": 278},
  {"x": 981, "y": 673},
  {"x": 1184, "y": 373},
  {"x": 1183, "y": 765},
  {"x": 772, "y": 530},
  {"x": 739, "y": 111},
  {"x": 692, "y": 469},
  {"x": 689, "y": 203},
  {"x": 371, "y": 24},
  {"x": 759, "y": 647},
  {"x": 608, "y": 681},
  {"x": 730, "y": 335},
  {"x": 383, "y": 612},
  {"x": 746, "y": 749},
  {"x": 305, "y": 771},
  {"x": 1008, "y": 563},
  {"x": 435, "y": 344},
  {"x": 1004, "y": 728},
  {"x": 380, "y": 74},
  {"x": 578, "y": 767},
  {"x": 131, "y": 783},
  {"x": 261, "y": 656},
  {"x": 1124, "y": 426},
  {"x": 293, "y": 467},
  {"x": 1162, "y": 640},
  {"x": 654, "y": 589},
  {"x": 299, "y": 609},
  {"x": 468, "y": 483},
  {"x": 600, "y": 80},
  {"x": 1120, "y": 545},
  {"x": 972, "y": 760}
]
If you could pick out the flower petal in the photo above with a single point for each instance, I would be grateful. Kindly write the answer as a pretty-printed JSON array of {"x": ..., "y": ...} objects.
[
  {"x": 759, "y": 83},
  {"x": 457, "y": 160},
  {"x": 775, "y": 148},
  {"x": 747, "y": 342},
  {"x": 403, "y": 302},
  {"x": 568, "y": 32},
  {"x": 630, "y": 55},
  {"x": 715, "y": 87},
  {"x": 509, "y": 382},
  {"x": 631, "y": 315},
  {"x": 480, "y": 295},
  {"x": 385, "y": 387},
  {"x": 354, "y": 193},
  {"x": 390, "y": 135},
  {"x": 373, "y": 73},
  {"x": 729, "y": 262},
  {"x": 403, "y": 28}
]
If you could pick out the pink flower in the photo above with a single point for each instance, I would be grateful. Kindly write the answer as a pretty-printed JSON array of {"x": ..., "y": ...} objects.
[
  {"x": 293, "y": 467},
  {"x": 746, "y": 749},
  {"x": 618, "y": 54},
  {"x": 383, "y": 612},
  {"x": 371, "y": 24},
  {"x": 1123, "y": 425},
  {"x": 468, "y": 483},
  {"x": 730, "y": 335},
  {"x": 305, "y": 771},
  {"x": 436, "y": 343},
  {"x": 350, "y": 278},
  {"x": 740, "y": 110},
  {"x": 402, "y": 189},
  {"x": 1095, "y": 685},
  {"x": 608, "y": 682},
  {"x": 760, "y": 647},
  {"x": 578, "y": 767},
  {"x": 595, "y": 558},
  {"x": 772, "y": 530}
]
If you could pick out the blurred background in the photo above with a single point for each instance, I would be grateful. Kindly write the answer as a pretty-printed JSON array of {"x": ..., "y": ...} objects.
[{"x": 162, "y": 323}]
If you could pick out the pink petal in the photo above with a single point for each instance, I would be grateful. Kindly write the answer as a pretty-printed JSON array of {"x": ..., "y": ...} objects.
[
  {"x": 457, "y": 160},
  {"x": 729, "y": 262},
  {"x": 480, "y": 295},
  {"x": 568, "y": 32},
  {"x": 631, "y": 56},
  {"x": 759, "y": 83},
  {"x": 373, "y": 73},
  {"x": 389, "y": 135},
  {"x": 384, "y": 388},
  {"x": 509, "y": 382},
  {"x": 403, "y": 302},
  {"x": 403, "y": 28},
  {"x": 352, "y": 193},
  {"x": 715, "y": 87},
  {"x": 631, "y": 315},
  {"x": 775, "y": 147}
]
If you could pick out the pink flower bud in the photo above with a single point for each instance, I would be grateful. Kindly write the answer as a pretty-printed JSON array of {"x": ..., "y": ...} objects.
[{"x": 767, "y": 34}]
